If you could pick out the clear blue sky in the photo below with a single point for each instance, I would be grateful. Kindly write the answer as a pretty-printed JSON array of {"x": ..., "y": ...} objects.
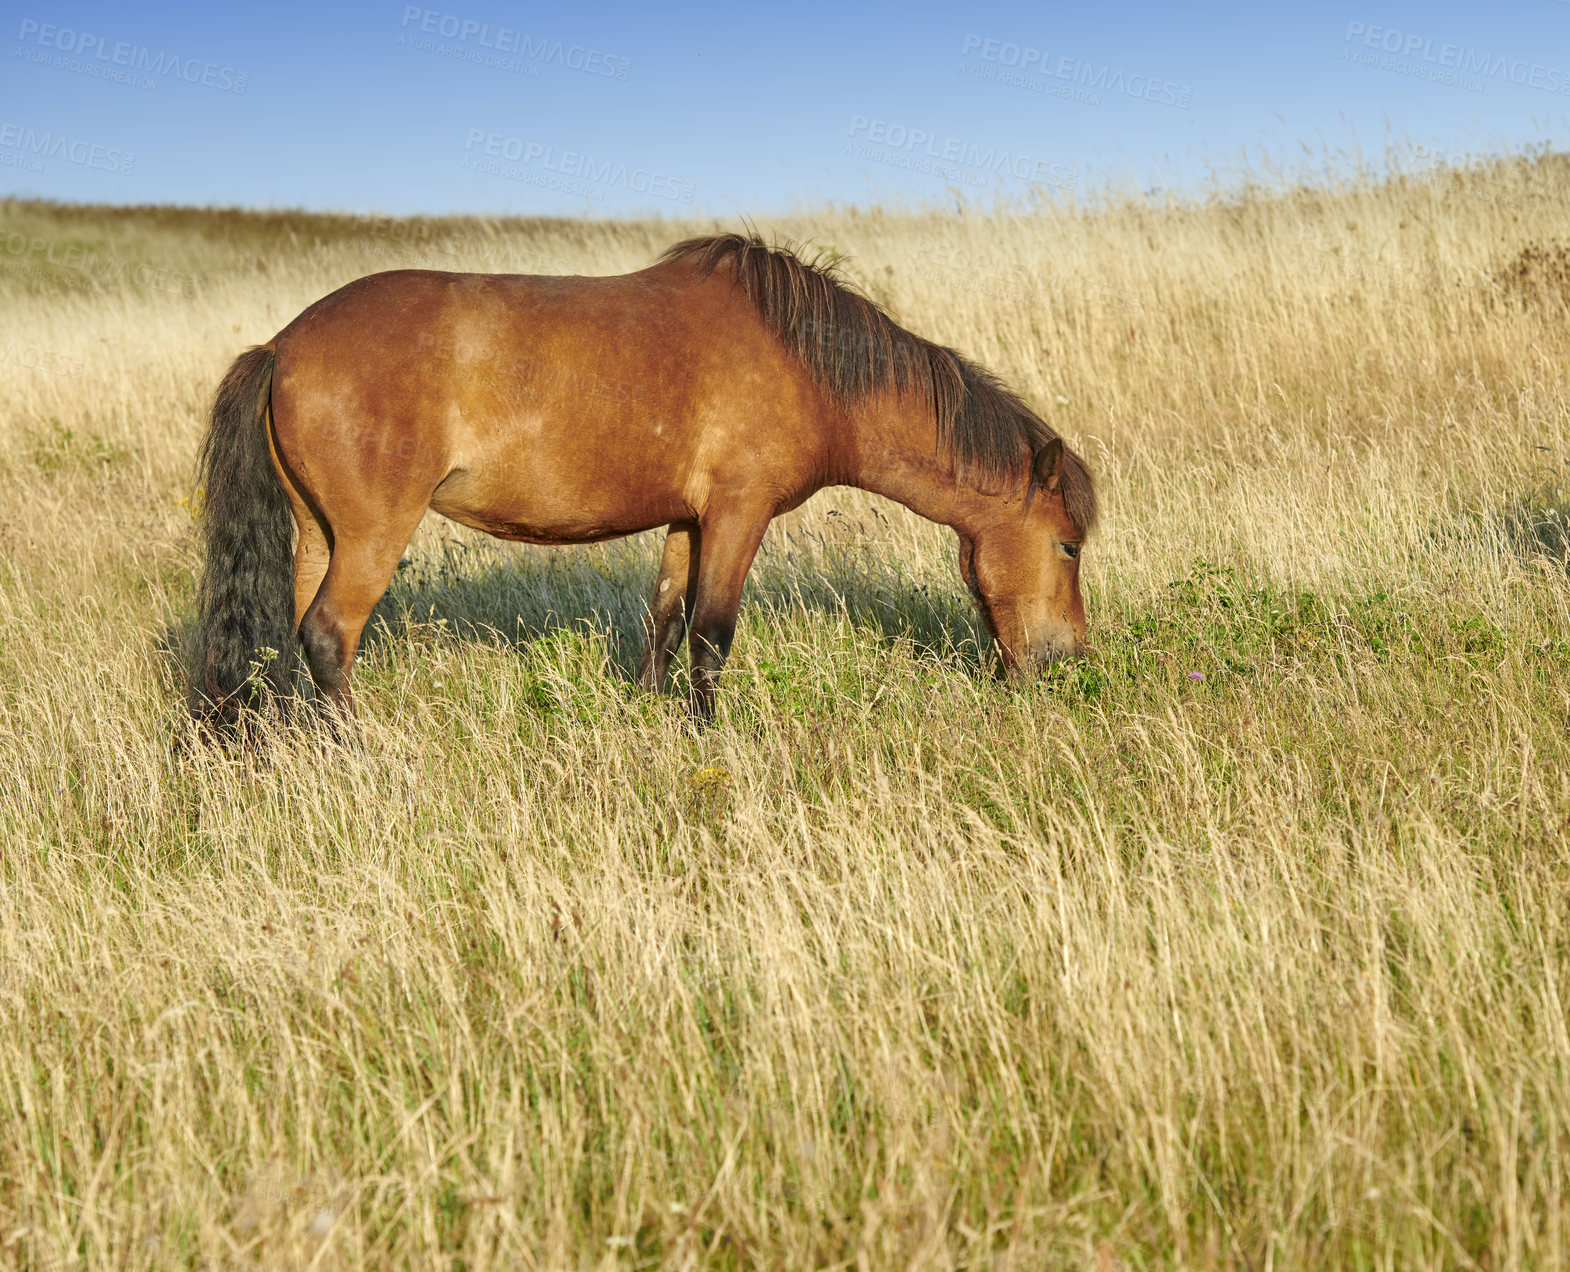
[{"x": 491, "y": 107}]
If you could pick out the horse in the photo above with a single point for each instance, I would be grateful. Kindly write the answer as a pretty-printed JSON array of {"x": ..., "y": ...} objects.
[{"x": 709, "y": 393}]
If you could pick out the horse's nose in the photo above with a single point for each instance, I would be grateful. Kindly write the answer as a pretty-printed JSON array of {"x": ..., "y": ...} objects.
[{"x": 1081, "y": 633}]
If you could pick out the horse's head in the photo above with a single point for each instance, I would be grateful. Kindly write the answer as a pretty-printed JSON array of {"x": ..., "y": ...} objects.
[{"x": 1023, "y": 570}]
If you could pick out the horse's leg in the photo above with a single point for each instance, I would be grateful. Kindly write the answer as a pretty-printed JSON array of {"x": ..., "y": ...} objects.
[
  {"x": 312, "y": 543},
  {"x": 356, "y": 577},
  {"x": 674, "y": 593},
  {"x": 730, "y": 541},
  {"x": 312, "y": 551}
]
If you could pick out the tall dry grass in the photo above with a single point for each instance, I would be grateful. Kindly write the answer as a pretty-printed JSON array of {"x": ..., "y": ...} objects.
[{"x": 1246, "y": 943}]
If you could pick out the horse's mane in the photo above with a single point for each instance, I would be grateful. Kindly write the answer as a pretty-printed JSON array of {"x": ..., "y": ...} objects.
[{"x": 854, "y": 349}]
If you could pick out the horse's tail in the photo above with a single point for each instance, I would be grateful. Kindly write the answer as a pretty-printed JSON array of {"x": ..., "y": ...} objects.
[{"x": 245, "y": 645}]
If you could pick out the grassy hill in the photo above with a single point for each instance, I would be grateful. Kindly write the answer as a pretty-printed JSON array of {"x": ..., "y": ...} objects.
[{"x": 1244, "y": 943}]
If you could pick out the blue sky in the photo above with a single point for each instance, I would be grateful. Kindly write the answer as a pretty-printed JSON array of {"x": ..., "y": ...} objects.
[{"x": 490, "y": 107}]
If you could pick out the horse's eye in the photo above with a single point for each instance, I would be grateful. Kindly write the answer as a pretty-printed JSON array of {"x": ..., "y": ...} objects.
[{"x": 1070, "y": 550}]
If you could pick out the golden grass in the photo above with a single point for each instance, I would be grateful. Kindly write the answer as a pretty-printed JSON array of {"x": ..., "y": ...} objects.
[{"x": 897, "y": 966}]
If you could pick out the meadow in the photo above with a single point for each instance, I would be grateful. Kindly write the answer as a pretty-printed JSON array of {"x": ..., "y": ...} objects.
[{"x": 1243, "y": 943}]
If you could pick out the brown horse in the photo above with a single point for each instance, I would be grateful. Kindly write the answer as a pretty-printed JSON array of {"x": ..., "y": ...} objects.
[{"x": 709, "y": 393}]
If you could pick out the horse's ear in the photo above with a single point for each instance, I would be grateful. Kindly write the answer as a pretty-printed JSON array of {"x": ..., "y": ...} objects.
[{"x": 1048, "y": 468}]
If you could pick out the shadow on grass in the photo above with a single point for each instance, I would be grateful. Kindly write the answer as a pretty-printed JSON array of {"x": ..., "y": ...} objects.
[
  {"x": 1538, "y": 526},
  {"x": 1533, "y": 527},
  {"x": 514, "y": 596}
]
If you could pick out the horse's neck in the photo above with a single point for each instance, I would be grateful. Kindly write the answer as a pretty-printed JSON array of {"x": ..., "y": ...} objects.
[{"x": 894, "y": 454}]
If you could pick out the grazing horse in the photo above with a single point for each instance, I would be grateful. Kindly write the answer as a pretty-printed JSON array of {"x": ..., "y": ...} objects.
[{"x": 709, "y": 393}]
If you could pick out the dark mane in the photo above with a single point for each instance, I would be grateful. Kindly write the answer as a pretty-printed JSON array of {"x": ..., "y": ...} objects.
[{"x": 854, "y": 350}]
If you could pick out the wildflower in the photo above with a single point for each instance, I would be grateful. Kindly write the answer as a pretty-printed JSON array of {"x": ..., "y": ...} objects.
[
  {"x": 1196, "y": 675},
  {"x": 711, "y": 778}
]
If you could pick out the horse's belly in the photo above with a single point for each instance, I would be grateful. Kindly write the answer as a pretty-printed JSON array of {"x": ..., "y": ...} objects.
[{"x": 529, "y": 505}]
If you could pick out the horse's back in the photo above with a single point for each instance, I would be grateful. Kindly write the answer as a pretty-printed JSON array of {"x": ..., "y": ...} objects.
[{"x": 539, "y": 407}]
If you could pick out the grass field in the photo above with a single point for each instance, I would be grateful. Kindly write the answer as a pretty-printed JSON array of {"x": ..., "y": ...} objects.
[{"x": 1244, "y": 943}]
